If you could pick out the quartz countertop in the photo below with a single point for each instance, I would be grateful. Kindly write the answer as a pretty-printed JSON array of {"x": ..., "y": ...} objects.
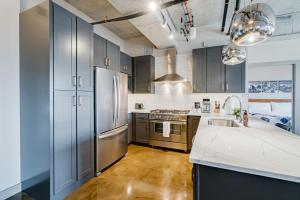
[{"x": 262, "y": 149}]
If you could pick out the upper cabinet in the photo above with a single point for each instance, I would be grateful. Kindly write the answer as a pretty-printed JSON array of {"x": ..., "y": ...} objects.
[
  {"x": 106, "y": 54},
  {"x": 210, "y": 75},
  {"x": 126, "y": 64},
  {"x": 144, "y": 74},
  {"x": 84, "y": 56},
  {"x": 235, "y": 78},
  {"x": 99, "y": 51},
  {"x": 113, "y": 56},
  {"x": 215, "y": 72},
  {"x": 64, "y": 38}
]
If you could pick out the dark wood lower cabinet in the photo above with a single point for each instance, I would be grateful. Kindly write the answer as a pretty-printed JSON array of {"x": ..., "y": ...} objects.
[
  {"x": 193, "y": 123},
  {"x": 141, "y": 128},
  {"x": 210, "y": 183}
]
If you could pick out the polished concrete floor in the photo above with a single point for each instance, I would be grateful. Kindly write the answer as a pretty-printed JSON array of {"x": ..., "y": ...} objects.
[{"x": 145, "y": 173}]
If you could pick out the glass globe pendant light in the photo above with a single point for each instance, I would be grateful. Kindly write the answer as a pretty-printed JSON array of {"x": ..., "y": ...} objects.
[
  {"x": 252, "y": 24},
  {"x": 233, "y": 55}
]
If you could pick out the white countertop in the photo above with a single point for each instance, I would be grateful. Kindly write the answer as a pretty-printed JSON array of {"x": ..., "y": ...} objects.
[
  {"x": 139, "y": 111},
  {"x": 262, "y": 149}
]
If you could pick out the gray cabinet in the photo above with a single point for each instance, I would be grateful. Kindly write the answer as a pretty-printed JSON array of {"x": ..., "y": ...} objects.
[
  {"x": 57, "y": 142},
  {"x": 126, "y": 64},
  {"x": 85, "y": 134},
  {"x": 64, "y": 39},
  {"x": 210, "y": 75},
  {"x": 106, "y": 54},
  {"x": 99, "y": 51},
  {"x": 199, "y": 70},
  {"x": 144, "y": 74},
  {"x": 142, "y": 128},
  {"x": 130, "y": 128},
  {"x": 235, "y": 78},
  {"x": 64, "y": 143},
  {"x": 215, "y": 78},
  {"x": 84, "y": 55},
  {"x": 113, "y": 56}
]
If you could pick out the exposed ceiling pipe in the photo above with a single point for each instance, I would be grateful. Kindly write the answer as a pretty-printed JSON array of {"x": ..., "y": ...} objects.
[
  {"x": 224, "y": 15},
  {"x": 139, "y": 14}
]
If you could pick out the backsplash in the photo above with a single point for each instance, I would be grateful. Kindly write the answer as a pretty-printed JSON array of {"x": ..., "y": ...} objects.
[{"x": 169, "y": 101}]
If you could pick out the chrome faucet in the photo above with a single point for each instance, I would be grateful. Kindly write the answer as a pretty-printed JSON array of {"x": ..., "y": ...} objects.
[{"x": 231, "y": 97}]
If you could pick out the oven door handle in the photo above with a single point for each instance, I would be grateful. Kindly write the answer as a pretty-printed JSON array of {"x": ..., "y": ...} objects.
[{"x": 171, "y": 122}]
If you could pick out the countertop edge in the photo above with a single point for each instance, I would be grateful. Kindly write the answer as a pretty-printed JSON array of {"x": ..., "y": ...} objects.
[{"x": 246, "y": 170}]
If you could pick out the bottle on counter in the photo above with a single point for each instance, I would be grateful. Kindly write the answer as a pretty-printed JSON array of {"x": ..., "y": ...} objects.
[{"x": 245, "y": 119}]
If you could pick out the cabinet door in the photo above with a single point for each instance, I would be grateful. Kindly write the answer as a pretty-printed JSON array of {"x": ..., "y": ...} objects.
[
  {"x": 199, "y": 70},
  {"x": 126, "y": 64},
  {"x": 64, "y": 38},
  {"x": 85, "y": 134},
  {"x": 193, "y": 123},
  {"x": 144, "y": 74},
  {"x": 113, "y": 54},
  {"x": 129, "y": 128},
  {"x": 84, "y": 55},
  {"x": 235, "y": 78},
  {"x": 99, "y": 51},
  {"x": 215, "y": 71},
  {"x": 142, "y": 131},
  {"x": 64, "y": 144}
]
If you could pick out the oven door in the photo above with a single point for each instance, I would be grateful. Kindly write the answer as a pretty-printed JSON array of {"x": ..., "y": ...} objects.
[{"x": 178, "y": 132}]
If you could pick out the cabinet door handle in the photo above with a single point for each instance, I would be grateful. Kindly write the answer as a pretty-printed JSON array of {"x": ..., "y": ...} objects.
[
  {"x": 79, "y": 81},
  {"x": 79, "y": 100},
  {"x": 74, "y": 100},
  {"x": 74, "y": 80},
  {"x": 109, "y": 61},
  {"x": 227, "y": 87}
]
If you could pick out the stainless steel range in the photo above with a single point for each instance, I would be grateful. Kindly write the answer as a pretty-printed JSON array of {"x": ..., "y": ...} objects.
[{"x": 175, "y": 121}]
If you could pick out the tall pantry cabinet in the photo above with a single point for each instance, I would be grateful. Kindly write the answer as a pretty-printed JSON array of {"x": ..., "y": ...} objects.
[{"x": 57, "y": 102}]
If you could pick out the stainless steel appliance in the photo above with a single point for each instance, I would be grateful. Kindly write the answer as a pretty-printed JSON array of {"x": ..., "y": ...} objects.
[
  {"x": 206, "y": 106},
  {"x": 178, "y": 128},
  {"x": 111, "y": 116}
]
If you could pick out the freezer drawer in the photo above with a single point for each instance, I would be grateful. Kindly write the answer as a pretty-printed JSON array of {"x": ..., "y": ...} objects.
[{"x": 111, "y": 146}]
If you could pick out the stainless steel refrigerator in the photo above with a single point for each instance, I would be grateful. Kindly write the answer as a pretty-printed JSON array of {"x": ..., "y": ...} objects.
[{"x": 111, "y": 104}]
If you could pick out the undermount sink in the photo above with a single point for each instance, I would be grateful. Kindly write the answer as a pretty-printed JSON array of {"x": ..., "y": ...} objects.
[{"x": 223, "y": 122}]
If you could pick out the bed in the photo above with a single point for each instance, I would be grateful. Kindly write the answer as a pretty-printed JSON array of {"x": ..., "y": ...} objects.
[{"x": 275, "y": 111}]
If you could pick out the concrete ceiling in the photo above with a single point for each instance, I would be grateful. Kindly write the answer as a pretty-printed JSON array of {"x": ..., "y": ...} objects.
[
  {"x": 207, "y": 19},
  {"x": 99, "y": 9}
]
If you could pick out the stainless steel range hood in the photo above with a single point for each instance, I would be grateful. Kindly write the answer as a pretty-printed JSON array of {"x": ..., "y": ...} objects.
[{"x": 171, "y": 76}]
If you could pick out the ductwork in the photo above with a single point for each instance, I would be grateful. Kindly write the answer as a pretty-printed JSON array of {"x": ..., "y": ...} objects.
[{"x": 171, "y": 76}]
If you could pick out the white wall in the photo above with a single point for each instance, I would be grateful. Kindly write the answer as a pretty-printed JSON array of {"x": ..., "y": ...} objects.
[{"x": 9, "y": 95}]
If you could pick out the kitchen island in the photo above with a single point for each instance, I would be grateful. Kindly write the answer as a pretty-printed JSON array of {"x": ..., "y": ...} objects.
[{"x": 234, "y": 163}]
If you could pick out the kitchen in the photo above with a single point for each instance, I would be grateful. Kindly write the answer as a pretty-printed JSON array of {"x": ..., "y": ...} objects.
[{"x": 156, "y": 100}]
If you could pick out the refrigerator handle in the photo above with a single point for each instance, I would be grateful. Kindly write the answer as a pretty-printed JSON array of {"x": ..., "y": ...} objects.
[
  {"x": 118, "y": 85},
  {"x": 115, "y": 99}
]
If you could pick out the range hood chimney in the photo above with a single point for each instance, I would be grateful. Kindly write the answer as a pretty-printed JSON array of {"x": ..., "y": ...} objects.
[{"x": 171, "y": 76}]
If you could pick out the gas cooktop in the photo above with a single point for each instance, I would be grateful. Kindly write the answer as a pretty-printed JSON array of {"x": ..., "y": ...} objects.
[{"x": 169, "y": 115}]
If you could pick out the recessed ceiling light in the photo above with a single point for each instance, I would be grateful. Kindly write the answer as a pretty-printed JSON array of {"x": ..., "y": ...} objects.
[
  {"x": 152, "y": 6},
  {"x": 171, "y": 36}
]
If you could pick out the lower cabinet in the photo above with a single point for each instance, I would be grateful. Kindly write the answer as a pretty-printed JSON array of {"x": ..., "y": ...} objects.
[
  {"x": 64, "y": 143},
  {"x": 73, "y": 144},
  {"x": 142, "y": 133},
  {"x": 130, "y": 139},
  {"x": 193, "y": 123},
  {"x": 85, "y": 134}
]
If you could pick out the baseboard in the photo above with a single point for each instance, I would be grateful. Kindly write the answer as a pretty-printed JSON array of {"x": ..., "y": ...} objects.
[
  {"x": 35, "y": 180},
  {"x": 10, "y": 191}
]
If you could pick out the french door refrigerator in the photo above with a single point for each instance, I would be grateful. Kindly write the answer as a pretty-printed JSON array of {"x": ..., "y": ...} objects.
[{"x": 111, "y": 89}]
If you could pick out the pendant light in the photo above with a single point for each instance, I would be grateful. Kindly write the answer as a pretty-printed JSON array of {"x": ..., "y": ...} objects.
[
  {"x": 233, "y": 55},
  {"x": 252, "y": 25}
]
